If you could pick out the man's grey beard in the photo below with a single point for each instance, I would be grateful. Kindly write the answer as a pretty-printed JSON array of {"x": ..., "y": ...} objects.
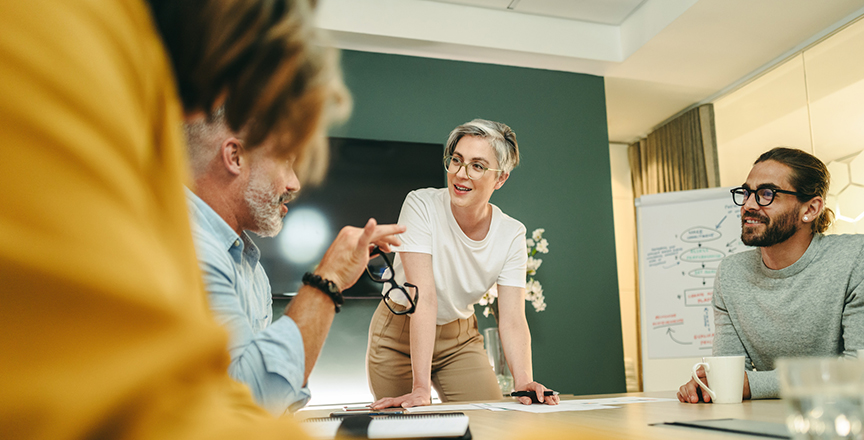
[{"x": 265, "y": 207}]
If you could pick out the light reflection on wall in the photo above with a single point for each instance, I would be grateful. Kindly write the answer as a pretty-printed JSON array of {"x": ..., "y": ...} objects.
[
  {"x": 305, "y": 236},
  {"x": 846, "y": 194}
]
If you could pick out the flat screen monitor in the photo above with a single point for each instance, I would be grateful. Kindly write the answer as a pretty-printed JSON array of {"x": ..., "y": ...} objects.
[{"x": 366, "y": 179}]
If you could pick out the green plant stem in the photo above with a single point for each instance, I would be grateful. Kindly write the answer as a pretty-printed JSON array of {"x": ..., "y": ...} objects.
[{"x": 493, "y": 308}]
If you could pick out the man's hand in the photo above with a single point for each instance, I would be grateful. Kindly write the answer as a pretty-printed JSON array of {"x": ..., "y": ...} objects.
[
  {"x": 418, "y": 397},
  {"x": 312, "y": 310},
  {"x": 691, "y": 392},
  {"x": 348, "y": 256},
  {"x": 539, "y": 389}
]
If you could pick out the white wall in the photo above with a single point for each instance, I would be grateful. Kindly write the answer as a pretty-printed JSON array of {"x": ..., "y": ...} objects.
[
  {"x": 769, "y": 112},
  {"x": 625, "y": 252},
  {"x": 815, "y": 102}
]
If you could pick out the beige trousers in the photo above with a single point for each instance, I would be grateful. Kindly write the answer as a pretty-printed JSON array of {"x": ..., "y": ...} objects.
[{"x": 460, "y": 367}]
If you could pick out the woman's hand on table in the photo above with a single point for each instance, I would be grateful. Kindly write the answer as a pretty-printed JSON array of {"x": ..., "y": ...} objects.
[
  {"x": 539, "y": 389},
  {"x": 418, "y": 397}
]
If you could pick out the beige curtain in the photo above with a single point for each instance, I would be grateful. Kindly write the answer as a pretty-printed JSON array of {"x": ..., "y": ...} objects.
[{"x": 680, "y": 155}]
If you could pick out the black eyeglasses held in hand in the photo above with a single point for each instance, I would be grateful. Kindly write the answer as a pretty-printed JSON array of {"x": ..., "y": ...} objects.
[
  {"x": 764, "y": 196},
  {"x": 396, "y": 298}
]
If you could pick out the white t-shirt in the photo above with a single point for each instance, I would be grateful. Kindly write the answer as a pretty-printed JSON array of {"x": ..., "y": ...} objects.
[{"x": 463, "y": 269}]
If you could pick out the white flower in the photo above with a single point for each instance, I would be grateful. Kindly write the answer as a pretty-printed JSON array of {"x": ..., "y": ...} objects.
[
  {"x": 537, "y": 234},
  {"x": 533, "y": 289},
  {"x": 533, "y": 265},
  {"x": 543, "y": 246},
  {"x": 486, "y": 312},
  {"x": 492, "y": 293},
  {"x": 489, "y": 297},
  {"x": 534, "y": 286},
  {"x": 538, "y": 301},
  {"x": 539, "y": 305}
]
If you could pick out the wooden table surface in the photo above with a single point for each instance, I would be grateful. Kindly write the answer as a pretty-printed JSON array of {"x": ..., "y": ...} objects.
[{"x": 629, "y": 421}]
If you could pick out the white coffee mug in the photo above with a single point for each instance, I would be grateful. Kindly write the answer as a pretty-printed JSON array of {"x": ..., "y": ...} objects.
[{"x": 726, "y": 376}]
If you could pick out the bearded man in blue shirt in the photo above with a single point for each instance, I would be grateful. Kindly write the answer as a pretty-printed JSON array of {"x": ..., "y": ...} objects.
[{"x": 238, "y": 190}]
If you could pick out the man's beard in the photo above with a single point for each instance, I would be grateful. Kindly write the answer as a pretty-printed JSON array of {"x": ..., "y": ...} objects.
[
  {"x": 777, "y": 230},
  {"x": 266, "y": 207}
]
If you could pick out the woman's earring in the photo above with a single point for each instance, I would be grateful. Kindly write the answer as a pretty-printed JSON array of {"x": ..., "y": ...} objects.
[{"x": 805, "y": 218}]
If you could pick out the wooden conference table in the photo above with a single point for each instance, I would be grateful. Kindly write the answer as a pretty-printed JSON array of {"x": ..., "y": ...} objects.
[{"x": 629, "y": 421}]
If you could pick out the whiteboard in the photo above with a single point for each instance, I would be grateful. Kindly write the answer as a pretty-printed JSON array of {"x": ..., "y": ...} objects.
[{"x": 682, "y": 236}]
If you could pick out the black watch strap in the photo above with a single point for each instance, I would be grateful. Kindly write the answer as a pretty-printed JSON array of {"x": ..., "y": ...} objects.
[{"x": 326, "y": 286}]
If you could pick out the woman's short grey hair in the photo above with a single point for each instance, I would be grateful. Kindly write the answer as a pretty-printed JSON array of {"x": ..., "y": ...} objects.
[{"x": 500, "y": 137}]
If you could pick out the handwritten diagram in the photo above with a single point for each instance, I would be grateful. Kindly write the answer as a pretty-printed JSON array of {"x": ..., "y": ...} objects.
[{"x": 681, "y": 244}]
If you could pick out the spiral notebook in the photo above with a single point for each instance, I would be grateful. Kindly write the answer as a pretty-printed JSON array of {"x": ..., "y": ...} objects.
[{"x": 442, "y": 425}]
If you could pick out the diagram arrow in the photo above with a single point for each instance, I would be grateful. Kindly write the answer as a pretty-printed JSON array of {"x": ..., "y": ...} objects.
[
  {"x": 669, "y": 332},
  {"x": 673, "y": 265},
  {"x": 721, "y": 221}
]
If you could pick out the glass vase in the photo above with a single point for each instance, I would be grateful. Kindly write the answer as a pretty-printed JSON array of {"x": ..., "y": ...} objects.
[{"x": 497, "y": 360}]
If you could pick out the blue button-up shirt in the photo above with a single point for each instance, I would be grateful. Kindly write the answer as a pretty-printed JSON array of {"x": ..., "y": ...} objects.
[{"x": 268, "y": 358}]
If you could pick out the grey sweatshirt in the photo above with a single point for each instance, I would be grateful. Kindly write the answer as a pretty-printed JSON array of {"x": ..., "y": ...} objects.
[{"x": 815, "y": 307}]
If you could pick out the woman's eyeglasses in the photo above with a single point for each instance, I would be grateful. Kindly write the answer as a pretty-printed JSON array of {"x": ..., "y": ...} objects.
[{"x": 474, "y": 170}]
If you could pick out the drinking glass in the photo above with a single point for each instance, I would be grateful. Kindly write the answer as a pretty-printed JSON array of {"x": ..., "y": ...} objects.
[{"x": 824, "y": 397}]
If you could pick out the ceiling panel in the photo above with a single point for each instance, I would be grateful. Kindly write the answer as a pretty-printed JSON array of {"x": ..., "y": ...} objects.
[
  {"x": 670, "y": 53},
  {"x": 596, "y": 11},
  {"x": 492, "y": 4}
]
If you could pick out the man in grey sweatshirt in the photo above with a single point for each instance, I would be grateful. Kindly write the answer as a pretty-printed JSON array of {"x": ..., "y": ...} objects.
[{"x": 800, "y": 293}]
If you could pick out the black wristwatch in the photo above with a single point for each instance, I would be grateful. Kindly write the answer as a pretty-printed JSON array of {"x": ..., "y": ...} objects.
[{"x": 326, "y": 286}]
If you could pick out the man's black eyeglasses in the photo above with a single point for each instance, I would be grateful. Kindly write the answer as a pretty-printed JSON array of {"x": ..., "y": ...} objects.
[
  {"x": 764, "y": 196},
  {"x": 396, "y": 298}
]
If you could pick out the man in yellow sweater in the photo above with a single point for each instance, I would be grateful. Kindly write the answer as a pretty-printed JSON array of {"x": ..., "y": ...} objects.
[{"x": 104, "y": 326}]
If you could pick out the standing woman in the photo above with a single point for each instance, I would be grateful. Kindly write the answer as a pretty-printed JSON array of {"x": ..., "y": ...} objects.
[{"x": 457, "y": 246}]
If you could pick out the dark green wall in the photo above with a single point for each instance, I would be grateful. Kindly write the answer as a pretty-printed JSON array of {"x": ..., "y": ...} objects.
[{"x": 562, "y": 185}]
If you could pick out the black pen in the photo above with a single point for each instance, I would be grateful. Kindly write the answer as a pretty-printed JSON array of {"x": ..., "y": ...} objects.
[{"x": 532, "y": 393}]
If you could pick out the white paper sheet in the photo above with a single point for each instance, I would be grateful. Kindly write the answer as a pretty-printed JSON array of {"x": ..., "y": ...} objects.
[
  {"x": 565, "y": 405},
  {"x": 622, "y": 400},
  {"x": 489, "y": 406},
  {"x": 538, "y": 409},
  {"x": 445, "y": 407}
]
